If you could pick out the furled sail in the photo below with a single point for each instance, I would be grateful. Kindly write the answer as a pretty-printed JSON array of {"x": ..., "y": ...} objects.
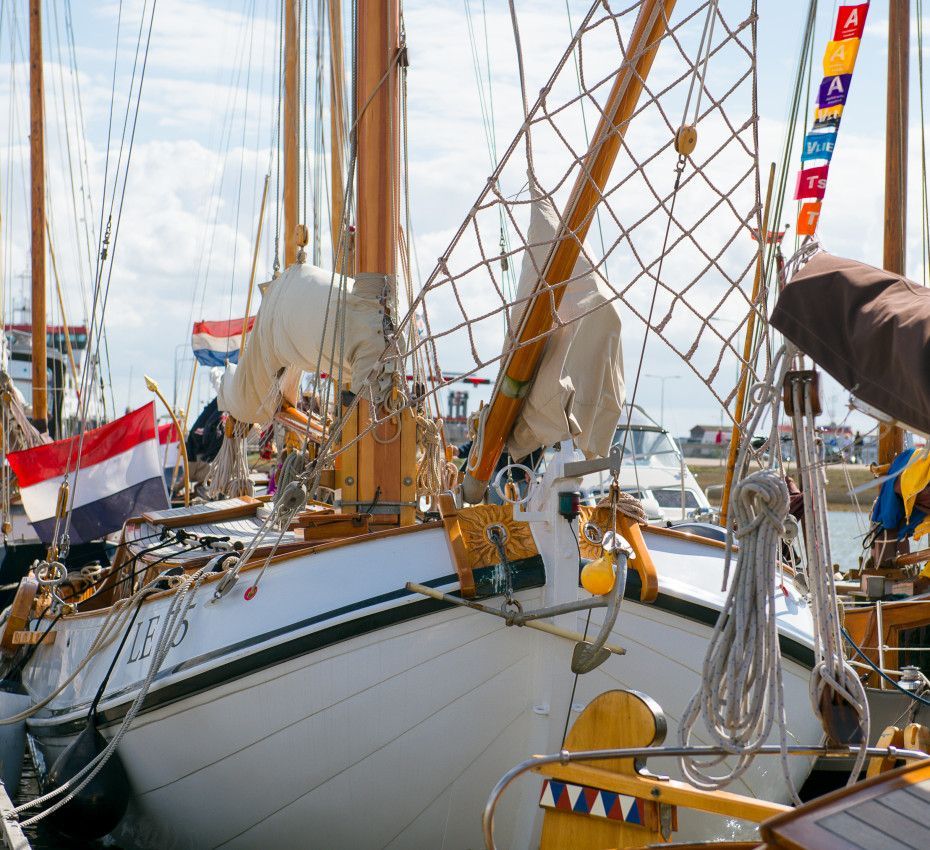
[
  {"x": 294, "y": 331},
  {"x": 578, "y": 391},
  {"x": 867, "y": 327}
]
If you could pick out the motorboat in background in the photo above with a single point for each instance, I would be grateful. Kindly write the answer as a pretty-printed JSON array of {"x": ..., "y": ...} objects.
[{"x": 653, "y": 471}]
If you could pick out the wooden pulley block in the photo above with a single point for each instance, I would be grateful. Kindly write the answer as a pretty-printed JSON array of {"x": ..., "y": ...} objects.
[
  {"x": 19, "y": 613},
  {"x": 840, "y": 720},
  {"x": 802, "y": 376},
  {"x": 64, "y": 495},
  {"x": 303, "y": 235},
  {"x": 686, "y": 139}
]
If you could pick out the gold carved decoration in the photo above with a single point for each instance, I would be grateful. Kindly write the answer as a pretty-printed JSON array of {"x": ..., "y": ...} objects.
[
  {"x": 475, "y": 521},
  {"x": 599, "y": 517}
]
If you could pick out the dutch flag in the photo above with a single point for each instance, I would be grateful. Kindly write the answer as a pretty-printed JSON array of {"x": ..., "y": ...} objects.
[
  {"x": 169, "y": 447},
  {"x": 120, "y": 476},
  {"x": 217, "y": 343}
]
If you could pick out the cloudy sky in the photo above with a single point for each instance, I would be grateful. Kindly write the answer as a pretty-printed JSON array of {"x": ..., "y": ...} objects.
[{"x": 206, "y": 126}]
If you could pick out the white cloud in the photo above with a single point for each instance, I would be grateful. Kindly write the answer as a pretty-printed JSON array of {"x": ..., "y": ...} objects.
[{"x": 196, "y": 74}]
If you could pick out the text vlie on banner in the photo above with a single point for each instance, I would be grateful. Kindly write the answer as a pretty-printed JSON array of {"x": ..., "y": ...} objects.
[{"x": 839, "y": 62}]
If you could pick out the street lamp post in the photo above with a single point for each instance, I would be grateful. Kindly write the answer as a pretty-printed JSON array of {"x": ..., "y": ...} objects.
[{"x": 663, "y": 379}]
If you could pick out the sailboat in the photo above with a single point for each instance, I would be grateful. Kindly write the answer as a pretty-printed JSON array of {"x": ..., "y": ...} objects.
[{"x": 357, "y": 671}]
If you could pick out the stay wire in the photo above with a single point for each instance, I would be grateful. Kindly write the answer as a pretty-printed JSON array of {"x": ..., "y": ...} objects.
[{"x": 119, "y": 213}]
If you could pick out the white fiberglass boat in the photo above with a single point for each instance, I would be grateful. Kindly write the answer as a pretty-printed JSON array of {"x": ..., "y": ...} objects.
[{"x": 653, "y": 471}]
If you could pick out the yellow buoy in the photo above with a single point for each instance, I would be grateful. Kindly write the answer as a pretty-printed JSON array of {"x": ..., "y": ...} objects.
[{"x": 599, "y": 576}]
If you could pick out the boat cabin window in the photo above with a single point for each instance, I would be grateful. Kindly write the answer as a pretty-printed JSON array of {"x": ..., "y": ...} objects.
[
  {"x": 911, "y": 648},
  {"x": 647, "y": 447},
  {"x": 670, "y": 497}
]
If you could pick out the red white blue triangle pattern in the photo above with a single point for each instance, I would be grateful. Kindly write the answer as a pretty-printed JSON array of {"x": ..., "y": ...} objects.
[{"x": 590, "y": 801}]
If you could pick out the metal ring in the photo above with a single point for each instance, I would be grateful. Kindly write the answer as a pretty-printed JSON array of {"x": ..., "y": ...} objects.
[
  {"x": 593, "y": 533},
  {"x": 499, "y": 530},
  {"x": 512, "y": 602},
  {"x": 531, "y": 477}
]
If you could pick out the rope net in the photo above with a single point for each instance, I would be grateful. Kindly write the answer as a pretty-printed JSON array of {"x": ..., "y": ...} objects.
[{"x": 690, "y": 288}]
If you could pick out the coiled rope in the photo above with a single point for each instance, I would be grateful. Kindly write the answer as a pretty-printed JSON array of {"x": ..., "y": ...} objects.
[
  {"x": 434, "y": 473},
  {"x": 741, "y": 694},
  {"x": 229, "y": 471}
]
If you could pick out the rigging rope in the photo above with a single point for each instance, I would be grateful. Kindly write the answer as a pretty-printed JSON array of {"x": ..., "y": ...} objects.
[
  {"x": 837, "y": 694},
  {"x": 741, "y": 694}
]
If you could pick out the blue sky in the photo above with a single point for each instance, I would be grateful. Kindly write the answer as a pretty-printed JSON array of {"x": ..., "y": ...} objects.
[{"x": 206, "y": 125}]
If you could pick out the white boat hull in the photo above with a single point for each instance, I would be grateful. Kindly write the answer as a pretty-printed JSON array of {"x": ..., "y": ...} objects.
[{"x": 385, "y": 734}]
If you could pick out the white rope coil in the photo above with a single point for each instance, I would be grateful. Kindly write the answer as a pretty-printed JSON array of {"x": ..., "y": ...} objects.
[
  {"x": 741, "y": 692},
  {"x": 435, "y": 474},
  {"x": 229, "y": 473}
]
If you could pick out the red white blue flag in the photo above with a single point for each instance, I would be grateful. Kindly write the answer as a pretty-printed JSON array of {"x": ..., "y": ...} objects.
[
  {"x": 118, "y": 475},
  {"x": 217, "y": 343},
  {"x": 169, "y": 446}
]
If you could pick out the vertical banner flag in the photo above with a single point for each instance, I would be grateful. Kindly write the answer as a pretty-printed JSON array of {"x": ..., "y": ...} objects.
[
  {"x": 114, "y": 475},
  {"x": 217, "y": 343},
  {"x": 839, "y": 62}
]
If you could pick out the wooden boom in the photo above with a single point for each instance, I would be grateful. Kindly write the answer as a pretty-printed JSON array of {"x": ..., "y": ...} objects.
[{"x": 521, "y": 365}]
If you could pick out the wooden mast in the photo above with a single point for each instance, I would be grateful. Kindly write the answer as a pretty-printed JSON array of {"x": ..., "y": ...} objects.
[
  {"x": 378, "y": 473},
  {"x": 37, "y": 168},
  {"x": 337, "y": 134},
  {"x": 291, "y": 132},
  {"x": 520, "y": 367},
  {"x": 743, "y": 383},
  {"x": 890, "y": 437}
]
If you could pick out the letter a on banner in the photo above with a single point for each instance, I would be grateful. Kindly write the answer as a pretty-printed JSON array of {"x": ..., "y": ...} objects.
[
  {"x": 840, "y": 57},
  {"x": 833, "y": 91},
  {"x": 850, "y": 22}
]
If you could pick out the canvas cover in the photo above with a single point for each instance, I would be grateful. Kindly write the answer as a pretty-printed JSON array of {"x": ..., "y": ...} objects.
[
  {"x": 869, "y": 328},
  {"x": 288, "y": 336},
  {"x": 578, "y": 391}
]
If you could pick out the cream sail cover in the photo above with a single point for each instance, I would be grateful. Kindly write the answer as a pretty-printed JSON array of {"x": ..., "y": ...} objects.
[
  {"x": 579, "y": 390},
  {"x": 289, "y": 337}
]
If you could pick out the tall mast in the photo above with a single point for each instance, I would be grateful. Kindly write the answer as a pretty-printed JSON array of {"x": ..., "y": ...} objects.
[
  {"x": 891, "y": 438},
  {"x": 37, "y": 168},
  {"x": 520, "y": 368},
  {"x": 379, "y": 471},
  {"x": 291, "y": 132},
  {"x": 337, "y": 132},
  {"x": 376, "y": 108}
]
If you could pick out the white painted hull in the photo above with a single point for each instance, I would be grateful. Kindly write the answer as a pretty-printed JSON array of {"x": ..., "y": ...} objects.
[{"x": 389, "y": 738}]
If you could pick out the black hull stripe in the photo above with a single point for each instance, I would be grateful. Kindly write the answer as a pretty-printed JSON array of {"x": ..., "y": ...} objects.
[
  {"x": 790, "y": 648},
  {"x": 527, "y": 573}
]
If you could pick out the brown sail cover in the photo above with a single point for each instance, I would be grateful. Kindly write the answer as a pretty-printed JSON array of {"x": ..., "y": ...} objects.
[{"x": 869, "y": 328}]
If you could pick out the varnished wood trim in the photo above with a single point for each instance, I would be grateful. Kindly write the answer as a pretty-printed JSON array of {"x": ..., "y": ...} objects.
[
  {"x": 281, "y": 557},
  {"x": 664, "y": 531},
  {"x": 456, "y": 542}
]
